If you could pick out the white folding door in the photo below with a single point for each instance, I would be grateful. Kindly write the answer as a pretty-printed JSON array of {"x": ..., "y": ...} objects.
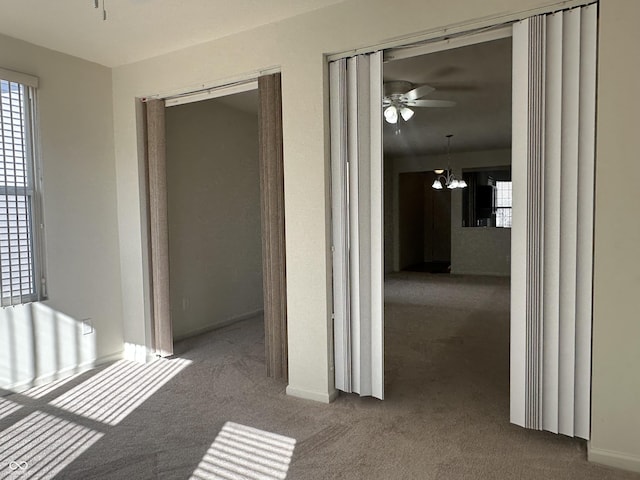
[
  {"x": 554, "y": 98},
  {"x": 356, "y": 169},
  {"x": 554, "y": 92}
]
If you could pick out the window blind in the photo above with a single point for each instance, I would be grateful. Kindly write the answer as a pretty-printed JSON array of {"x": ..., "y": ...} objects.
[{"x": 20, "y": 278}]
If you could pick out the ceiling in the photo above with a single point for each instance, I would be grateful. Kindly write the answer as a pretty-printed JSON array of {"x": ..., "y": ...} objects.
[
  {"x": 138, "y": 29},
  {"x": 477, "y": 78}
]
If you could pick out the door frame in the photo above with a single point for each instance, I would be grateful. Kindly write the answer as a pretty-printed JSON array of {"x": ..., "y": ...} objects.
[
  {"x": 272, "y": 220},
  {"x": 454, "y": 36}
]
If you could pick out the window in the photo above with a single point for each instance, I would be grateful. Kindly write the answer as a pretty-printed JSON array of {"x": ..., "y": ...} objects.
[
  {"x": 503, "y": 204},
  {"x": 21, "y": 260},
  {"x": 486, "y": 202}
]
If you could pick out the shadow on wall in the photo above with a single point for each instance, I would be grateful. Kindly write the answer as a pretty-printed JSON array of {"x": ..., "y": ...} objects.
[{"x": 39, "y": 344}]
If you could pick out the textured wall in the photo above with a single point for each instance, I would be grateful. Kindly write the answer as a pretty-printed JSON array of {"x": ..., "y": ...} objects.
[
  {"x": 41, "y": 341},
  {"x": 615, "y": 429},
  {"x": 215, "y": 251}
]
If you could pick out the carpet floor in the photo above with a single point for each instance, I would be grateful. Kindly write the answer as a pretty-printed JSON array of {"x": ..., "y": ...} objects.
[{"x": 210, "y": 412}]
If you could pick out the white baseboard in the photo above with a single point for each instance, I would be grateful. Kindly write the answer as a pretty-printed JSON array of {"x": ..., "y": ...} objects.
[
  {"x": 609, "y": 458},
  {"x": 108, "y": 358},
  {"x": 225, "y": 323},
  {"x": 315, "y": 396},
  {"x": 480, "y": 274},
  {"x": 63, "y": 373}
]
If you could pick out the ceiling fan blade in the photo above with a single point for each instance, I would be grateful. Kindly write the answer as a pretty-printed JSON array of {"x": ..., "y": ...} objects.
[
  {"x": 418, "y": 92},
  {"x": 432, "y": 103},
  {"x": 457, "y": 87}
]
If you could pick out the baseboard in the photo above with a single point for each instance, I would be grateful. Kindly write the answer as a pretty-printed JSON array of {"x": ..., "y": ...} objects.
[
  {"x": 63, "y": 373},
  {"x": 481, "y": 274},
  {"x": 315, "y": 396},
  {"x": 108, "y": 358},
  {"x": 226, "y": 323},
  {"x": 609, "y": 458}
]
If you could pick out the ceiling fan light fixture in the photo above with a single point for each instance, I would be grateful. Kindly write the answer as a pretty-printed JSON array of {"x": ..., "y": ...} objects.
[
  {"x": 391, "y": 114},
  {"x": 406, "y": 113},
  {"x": 400, "y": 96}
]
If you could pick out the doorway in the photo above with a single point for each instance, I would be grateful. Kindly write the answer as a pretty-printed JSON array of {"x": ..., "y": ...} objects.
[
  {"x": 472, "y": 132},
  {"x": 424, "y": 224},
  {"x": 551, "y": 195},
  {"x": 213, "y": 198},
  {"x": 228, "y": 212},
  {"x": 447, "y": 291}
]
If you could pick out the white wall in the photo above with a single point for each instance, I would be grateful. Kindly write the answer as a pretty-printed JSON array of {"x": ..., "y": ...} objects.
[
  {"x": 481, "y": 251},
  {"x": 615, "y": 414},
  {"x": 42, "y": 341},
  {"x": 298, "y": 47},
  {"x": 213, "y": 184},
  {"x": 474, "y": 251}
]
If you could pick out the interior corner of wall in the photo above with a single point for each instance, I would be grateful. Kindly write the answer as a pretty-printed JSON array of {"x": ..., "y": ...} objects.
[{"x": 137, "y": 353}]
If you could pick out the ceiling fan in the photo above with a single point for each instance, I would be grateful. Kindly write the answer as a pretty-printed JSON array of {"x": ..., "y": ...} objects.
[{"x": 399, "y": 96}]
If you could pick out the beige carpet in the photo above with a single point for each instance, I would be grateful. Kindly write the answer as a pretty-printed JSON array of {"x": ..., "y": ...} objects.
[{"x": 445, "y": 415}]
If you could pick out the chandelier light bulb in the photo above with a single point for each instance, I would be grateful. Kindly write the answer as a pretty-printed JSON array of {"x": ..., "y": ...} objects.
[
  {"x": 437, "y": 185},
  {"x": 462, "y": 184},
  {"x": 391, "y": 114}
]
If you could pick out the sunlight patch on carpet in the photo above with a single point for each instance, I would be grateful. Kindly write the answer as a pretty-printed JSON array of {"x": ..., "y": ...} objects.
[
  {"x": 41, "y": 445},
  {"x": 245, "y": 453},
  {"x": 7, "y": 407},
  {"x": 47, "y": 388},
  {"x": 118, "y": 390}
]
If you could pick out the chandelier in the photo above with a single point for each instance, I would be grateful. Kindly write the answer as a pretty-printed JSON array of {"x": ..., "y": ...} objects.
[{"x": 447, "y": 179}]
